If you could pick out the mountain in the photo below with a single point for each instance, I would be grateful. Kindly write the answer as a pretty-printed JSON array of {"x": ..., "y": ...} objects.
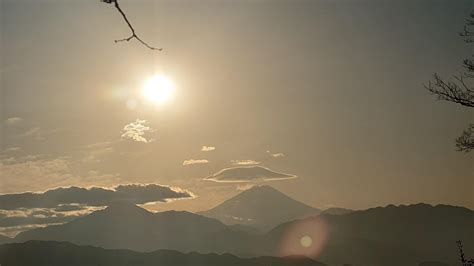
[
  {"x": 5, "y": 239},
  {"x": 262, "y": 207},
  {"x": 127, "y": 226},
  {"x": 39, "y": 253},
  {"x": 337, "y": 211},
  {"x": 388, "y": 236},
  {"x": 392, "y": 235}
]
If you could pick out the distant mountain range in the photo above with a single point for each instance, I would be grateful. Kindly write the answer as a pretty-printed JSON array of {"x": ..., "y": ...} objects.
[
  {"x": 337, "y": 211},
  {"x": 392, "y": 235},
  {"x": 127, "y": 226},
  {"x": 261, "y": 207},
  {"x": 387, "y": 235},
  {"x": 4, "y": 239},
  {"x": 40, "y": 253}
]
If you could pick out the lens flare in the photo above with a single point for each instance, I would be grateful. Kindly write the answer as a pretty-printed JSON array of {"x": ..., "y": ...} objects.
[
  {"x": 306, "y": 241},
  {"x": 305, "y": 238}
]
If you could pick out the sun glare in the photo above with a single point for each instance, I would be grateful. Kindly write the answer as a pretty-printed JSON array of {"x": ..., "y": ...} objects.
[
  {"x": 158, "y": 89},
  {"x": 306, "y": 241}
]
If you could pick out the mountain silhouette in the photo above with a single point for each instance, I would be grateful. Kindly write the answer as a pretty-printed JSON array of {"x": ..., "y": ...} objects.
[
  {"x": 39, "y": 253},
  {"x": 127, "y": 226},
  {"x": 262, "y": 207},
  {"x": 336, "y": 211},
  {"x": 387, "y": 235},
  {"x": 390, "y": 236},
  {"x": 5, "y": 239}
]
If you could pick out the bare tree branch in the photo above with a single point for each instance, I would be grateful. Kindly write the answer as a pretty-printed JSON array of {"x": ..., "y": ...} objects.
[
  {"x": 467, "y": 32},
  {"x": 458, "y": 92},
  {"x": 465, "y": 142},
  {"x": 134, "y": 35},
  {"x": 460, "y": 89},
  {"x": 464, "y": 261}
]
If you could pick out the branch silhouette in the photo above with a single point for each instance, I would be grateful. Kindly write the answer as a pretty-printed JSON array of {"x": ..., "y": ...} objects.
[
  {"x": 459, "y": 89},
  {"x": 134, "y": 34},
  {"x": 465, "y": 142},
  {"x": 465, "y": 262}
]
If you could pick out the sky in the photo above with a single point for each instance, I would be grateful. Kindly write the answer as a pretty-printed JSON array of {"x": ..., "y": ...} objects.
[{"x": 323, "y": 100}]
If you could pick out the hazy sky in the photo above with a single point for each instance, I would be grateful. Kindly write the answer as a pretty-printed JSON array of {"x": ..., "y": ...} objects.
[{"x": 328, "y": 91}]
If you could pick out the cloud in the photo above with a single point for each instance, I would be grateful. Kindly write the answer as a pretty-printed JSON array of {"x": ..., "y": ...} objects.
[
  {"x": 29, "y": 174},
  {"x": 24, "y": 211},
  {"x": 94, "y": 196},
  {"x": 38, "y": 216},
  {"x": 208, "y": 148},
  {"x": 40, "y": 172},
  {"x": 19, "y": 128},
  {"x": 278, "y": 154},
  {"x": 194, "y": 161},
  {"x": 98, "y": 146},
  {"x": 13, "y": 120},
  {"x": 38, "y": 133},
  {"x": 245, "y": 187},
  {"x": 22, "y": 159},
  {"x": 34, "y": 132},
  {"x": 69, "y": 208},
  {"x": 244, "y": 162},
  {"x": 248, "y": 174},
  {"x": 96, "y": 152},
  {"x": 15, "y": 221},
  {"x": 11, "y": 149},
  {"x": 11, "y": 231},
  {"x": 136, "y": 131}
]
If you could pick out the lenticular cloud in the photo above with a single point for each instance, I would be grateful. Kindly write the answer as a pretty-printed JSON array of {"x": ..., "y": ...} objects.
[{"x": 248, "y": 174}]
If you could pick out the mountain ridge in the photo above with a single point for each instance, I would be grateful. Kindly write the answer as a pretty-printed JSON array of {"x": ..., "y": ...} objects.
[
  {"x": 413, "y": 231},
  {"x": 132, "y": 227},
  {"x": 390, "y": 235},
  {"x": 262, "y": 207},
  {"x": 64, "y": 253}
]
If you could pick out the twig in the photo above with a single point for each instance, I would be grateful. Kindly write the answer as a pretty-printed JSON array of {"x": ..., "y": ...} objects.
[
  {"x": 134, "y": 35},
  {"x": 464, "y": 261}
]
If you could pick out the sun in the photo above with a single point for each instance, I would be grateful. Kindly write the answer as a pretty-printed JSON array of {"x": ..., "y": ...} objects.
[{"x": 158, "y": 89}]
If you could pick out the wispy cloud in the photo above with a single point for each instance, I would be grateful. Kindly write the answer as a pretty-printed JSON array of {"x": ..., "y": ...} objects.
[
  {"x": 19, "y": 174},
  {"x": 195, "y": 161},
  {"x": 38, "y": 133},
  {"x": 245, "y": 187},
  {"x": 22, "y": 159},
  {"x": 94, "y": 153},
  {"x": 248, "y": 174},
  {"x": 136, "y": 131},
  {"x": 39, "y": 172},
  {"x": 39, "y": 216},
  {"x": 15, "y": 221},
  {"x": 97, "y": 145},
  {"x": 12, "y": 231},
  {"x": 35, "y": 133},
  {"x": 13, "y": 120},
  {"x": 244, "y": 162},
  {"x": 276, "y": 154},
  {"x": 11, "y": 149},
  {"x": 208, "y": 148}
]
